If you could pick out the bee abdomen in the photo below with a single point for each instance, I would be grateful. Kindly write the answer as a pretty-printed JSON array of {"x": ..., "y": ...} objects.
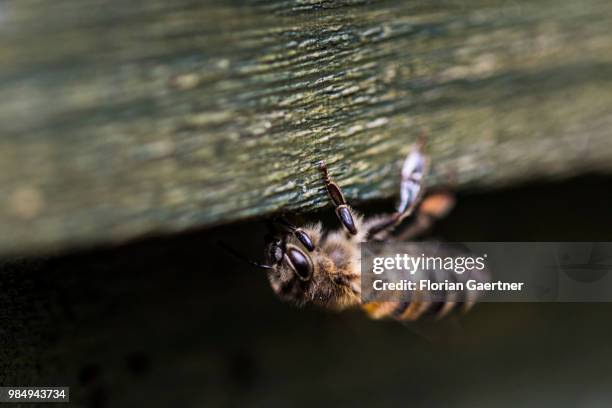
[
  {"x": 424, "y": 304},
  {"x": 413, "y": 310}
]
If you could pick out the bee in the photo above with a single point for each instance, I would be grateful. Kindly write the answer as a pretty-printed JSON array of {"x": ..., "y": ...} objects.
[{"x": 310, "y": 266}]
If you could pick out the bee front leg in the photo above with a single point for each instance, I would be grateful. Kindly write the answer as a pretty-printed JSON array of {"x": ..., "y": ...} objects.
[
  {"x": 343, "y": 211},
  {"x": 297, "y": 232}
]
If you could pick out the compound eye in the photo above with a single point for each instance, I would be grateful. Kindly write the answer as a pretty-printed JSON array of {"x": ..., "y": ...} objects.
[{"x": 300, "y": 263}]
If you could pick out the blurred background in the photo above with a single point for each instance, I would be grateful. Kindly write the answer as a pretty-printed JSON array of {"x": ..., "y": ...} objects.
[{"x": 175, "y": 321}]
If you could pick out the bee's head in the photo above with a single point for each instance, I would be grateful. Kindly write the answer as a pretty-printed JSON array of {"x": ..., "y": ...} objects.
[
  {"x": 301, "y": 272},
  {"x": 297, "y": 274},
  {"x": 292, "y": 269}
]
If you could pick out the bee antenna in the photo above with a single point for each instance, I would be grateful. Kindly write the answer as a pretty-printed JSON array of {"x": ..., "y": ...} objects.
[{"x": 238, "y": 255}]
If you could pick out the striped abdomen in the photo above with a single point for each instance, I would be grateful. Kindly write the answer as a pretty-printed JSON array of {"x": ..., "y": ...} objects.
[
  {"x": 413, "y": 310},
  {"x": 447, "y": 292}
]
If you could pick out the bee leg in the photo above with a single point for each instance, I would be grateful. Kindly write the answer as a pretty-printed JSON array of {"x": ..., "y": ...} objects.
[
  {"x": 343, "y": 211},
  {"x": 413, "y": 175},
  {"x": 298, "y": 232},
  {"x": 433, "y": 208}
]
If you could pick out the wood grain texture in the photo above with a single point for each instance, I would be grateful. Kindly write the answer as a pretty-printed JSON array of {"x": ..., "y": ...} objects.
[{"x": 121, "y": 119}]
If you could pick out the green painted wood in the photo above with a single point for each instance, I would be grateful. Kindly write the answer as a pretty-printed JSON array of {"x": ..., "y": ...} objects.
[{"x": 119, "y": 119}]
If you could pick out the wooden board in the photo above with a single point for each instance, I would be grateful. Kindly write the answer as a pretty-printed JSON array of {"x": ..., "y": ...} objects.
[{"x": 119, "y": 119}]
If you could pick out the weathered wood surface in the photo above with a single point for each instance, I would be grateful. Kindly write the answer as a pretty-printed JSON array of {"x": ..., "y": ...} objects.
[{"x": 119, "y": 119}]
